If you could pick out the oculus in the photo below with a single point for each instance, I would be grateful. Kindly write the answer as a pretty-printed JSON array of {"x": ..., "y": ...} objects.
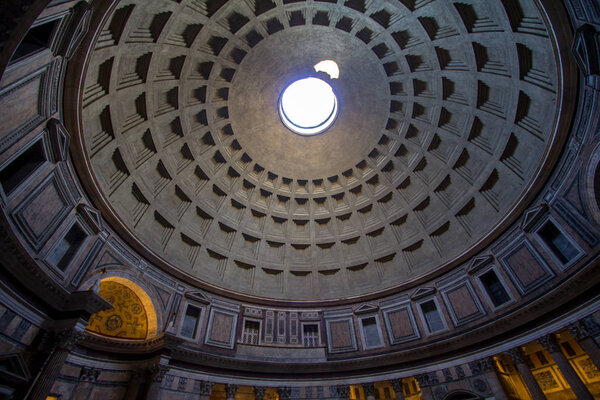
[{"x": 308, "y": 106}]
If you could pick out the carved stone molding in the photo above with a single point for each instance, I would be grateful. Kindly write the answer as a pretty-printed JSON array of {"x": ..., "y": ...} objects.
[{"x": 89, "y": 374}]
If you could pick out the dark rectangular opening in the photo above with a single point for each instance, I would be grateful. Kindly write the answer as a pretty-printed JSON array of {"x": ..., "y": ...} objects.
[
  {"x": 557, "y": 242},
  {"x": 36, "y": 39},
  {"x": 371, "y": 332},
  {"x": 63, "y": 253},
  {"x": 310, "y": 335},
  {"x": 251, "y": 332},
  {"x": 190, "y": 322},
  {"x": 22, "y": 167},
  {"x": 494, "y": 288},
  {"x": 432, "y": 316}
]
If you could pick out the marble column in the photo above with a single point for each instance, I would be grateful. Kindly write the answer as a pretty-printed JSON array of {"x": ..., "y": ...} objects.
[
  {"x": 204, "y": 390},
  {"x": 259, "y": 392},
  {"x": 369, "y": 389},
  {"x": 581, "y": 331},
  {"x": 135, "y": 382},
  {"x": 343, "y": 392},
  {"x": 230, "y": 391},
  {"x": 398, "y": 389},
  {"x": 577, "y": 386},
  {"x": 155, "y": 374},
  {"x": 532, "y": 385},
  {"x": 87, "y": 377},
  {"x": 62, "y": 344},
  {"x": 425, "y": 381},
  {"x": 487, "y": 366}
]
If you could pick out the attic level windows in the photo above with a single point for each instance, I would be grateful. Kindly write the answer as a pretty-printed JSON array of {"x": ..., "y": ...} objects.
[
  {"x": 494, "y": 288},
  {"x": 432, "y": 316},
  {"x": 37, "y": 39},
  {"x": 371, "y": 334},
  {"x": 191, "y": 318},
  {"x": 558, "y": 243},
  {"x": 18, "y": 170},
  {"x": 251, "y": 332},
  {"x": 64, "y": 252},
  {"x": 310, "y": 335}
]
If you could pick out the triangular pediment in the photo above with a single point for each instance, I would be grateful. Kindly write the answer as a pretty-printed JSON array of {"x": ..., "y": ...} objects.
[
  {"x": 366, "y": 309},
  {"x": 92, "y": 217},
  {"x": 59, "y": 140},
  {"x": 480, "y": 262},
  {"x": 13, "y": 364},
  {"x": 198, "y": 296},
  {"x": 422, "y": 292},
  {"x": 532, "y": 216}
]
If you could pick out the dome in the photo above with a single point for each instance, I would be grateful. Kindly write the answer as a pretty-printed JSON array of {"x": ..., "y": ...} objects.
[
  {"x": 437, "y": 143},
  {"x": 299, "y": 199}
]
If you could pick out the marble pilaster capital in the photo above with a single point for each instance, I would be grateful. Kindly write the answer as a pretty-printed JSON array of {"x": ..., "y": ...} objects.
[
  {"x": 343, "y": 391},
  {"x": 206, "y": 388},
  {"x": 284, "y": 392},
  {"x": 67, "y": 339},
  {"x": 550, "y": 343},
  {"x": 157, "y": 372},
  {"x": 578, "y": 330},
  {"x": 396, "y": 384},
  {"x": 427, "y": 379},
  {"x": 516, "y": 355},
  {"x": 259, "y": 392},
  {"x": 369, "y": 388},
  {"x": 486, "y": 364},
  {"x": 231, "y": 390},
  {"x": 89, "y": 374}
]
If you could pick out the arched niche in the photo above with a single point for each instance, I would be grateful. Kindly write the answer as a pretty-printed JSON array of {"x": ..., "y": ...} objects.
[
  {"x": 133, "y": 315},
  {"x": 461, "y": 395}
]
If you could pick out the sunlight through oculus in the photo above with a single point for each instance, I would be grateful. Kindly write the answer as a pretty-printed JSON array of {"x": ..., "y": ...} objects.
[{"x": 308, "y": 106}]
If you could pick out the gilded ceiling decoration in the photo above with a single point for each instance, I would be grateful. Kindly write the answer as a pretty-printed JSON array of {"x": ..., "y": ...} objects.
[{"x": 126, "y": 320}]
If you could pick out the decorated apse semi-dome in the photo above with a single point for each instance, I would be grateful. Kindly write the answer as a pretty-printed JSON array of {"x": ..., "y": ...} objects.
[{"x": 441, "y": 122}]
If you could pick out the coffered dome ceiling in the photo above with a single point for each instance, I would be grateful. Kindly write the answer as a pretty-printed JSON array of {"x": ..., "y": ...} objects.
[{"x": 447, "y": 116}]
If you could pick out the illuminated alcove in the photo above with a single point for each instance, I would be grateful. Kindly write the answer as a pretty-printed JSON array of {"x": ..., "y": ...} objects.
[{"x": 133, "y": 315}]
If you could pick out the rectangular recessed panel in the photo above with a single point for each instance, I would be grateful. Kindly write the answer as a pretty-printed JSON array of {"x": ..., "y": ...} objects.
[
  {"x": 401, "y": 324},
  {"x": 341, "y": 336},
  {"x": 42, "y": 211},
  {"x": 26, "y": 105},
  {"x": 464, "y": 307},
  {"x": 525, "y": 266}
]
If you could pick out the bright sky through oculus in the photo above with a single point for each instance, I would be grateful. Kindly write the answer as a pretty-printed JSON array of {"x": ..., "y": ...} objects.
[
  {"x": 308, "y": 106},
  {"x": 330, "y": 67}
]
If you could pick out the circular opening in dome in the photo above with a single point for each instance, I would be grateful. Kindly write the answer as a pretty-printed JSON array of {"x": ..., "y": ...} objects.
[{"x": 308, "y": 106}]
